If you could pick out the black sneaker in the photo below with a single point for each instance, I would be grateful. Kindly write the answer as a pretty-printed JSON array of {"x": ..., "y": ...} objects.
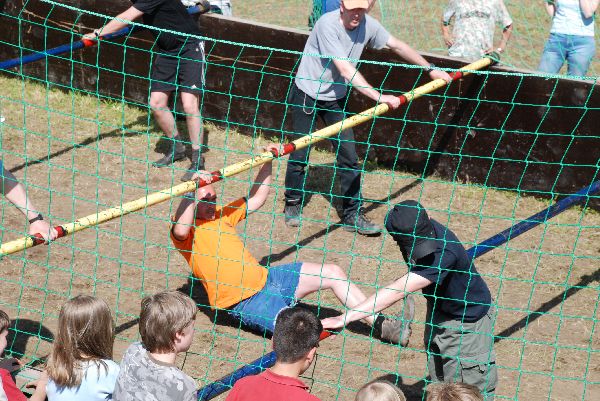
[
  {"x": 361, "y": 224},
  {"x": 398, "y": 331},
  {"x": 175, "y": 154},
  {"x": 293, "y": 213}
]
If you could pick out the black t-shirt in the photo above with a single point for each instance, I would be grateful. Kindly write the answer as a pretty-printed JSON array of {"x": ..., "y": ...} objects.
[
  {"x": 457, "y": 289},
  {"x": 171, "y": 15}
]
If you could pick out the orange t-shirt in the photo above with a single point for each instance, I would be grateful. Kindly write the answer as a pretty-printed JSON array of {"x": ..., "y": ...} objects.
[{"x": 219, "y": 258}]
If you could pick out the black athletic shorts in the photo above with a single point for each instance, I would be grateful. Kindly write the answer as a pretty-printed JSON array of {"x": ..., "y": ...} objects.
[{"x": 183, "y": 72}]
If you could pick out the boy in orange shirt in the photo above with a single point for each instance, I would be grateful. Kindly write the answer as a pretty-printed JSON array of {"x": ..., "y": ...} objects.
[{"x": 234, "y": 280}]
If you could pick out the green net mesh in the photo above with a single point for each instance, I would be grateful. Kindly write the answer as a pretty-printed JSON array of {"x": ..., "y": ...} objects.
[{"x": 82, "y": 148}]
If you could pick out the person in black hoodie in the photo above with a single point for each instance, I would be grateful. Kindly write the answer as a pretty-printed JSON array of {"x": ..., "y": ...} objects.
[{"x": 459, "y": 327}]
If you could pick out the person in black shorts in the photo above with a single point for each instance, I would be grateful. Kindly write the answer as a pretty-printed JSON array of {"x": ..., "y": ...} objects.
[{"x": 178, "y": 67}]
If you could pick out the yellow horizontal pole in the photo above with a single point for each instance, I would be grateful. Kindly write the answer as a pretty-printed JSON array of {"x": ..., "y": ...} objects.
[{"x": 228, "y": 171}]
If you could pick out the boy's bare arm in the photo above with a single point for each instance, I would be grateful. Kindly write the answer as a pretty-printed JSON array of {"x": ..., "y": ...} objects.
[
  {"x": 262, "y": 182},
  {"x": 116, "y": 24},
  {"x": 186, "y": 212},
  {"x": 382, "y": 299},
  {"x": 184, "y": 217}
]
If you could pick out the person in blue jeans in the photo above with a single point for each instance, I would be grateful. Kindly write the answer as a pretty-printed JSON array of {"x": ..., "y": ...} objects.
[
  {"x": 327, "y": 70},
  {"x": 571, "y": 37}
]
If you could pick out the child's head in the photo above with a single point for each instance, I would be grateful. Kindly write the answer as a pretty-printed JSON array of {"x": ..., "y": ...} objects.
[
  {"x": 4, "y": 324},
  {"x": 207, "y": 202},
  {"x": 167, "y": 322},
  {"x": 379, "y": 390},
  {"x": 296, "y": 335},
  {"x": 453, "y": 392},
  {"x": 86, "y": 332}
]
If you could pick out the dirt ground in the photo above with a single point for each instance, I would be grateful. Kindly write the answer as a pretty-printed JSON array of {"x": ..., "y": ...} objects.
[{"x": 80, "y": 156}]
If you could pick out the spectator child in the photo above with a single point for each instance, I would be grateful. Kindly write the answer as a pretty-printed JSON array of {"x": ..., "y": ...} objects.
[
  {"x": 80, "y": 367},
  {"x": 8, "y": 388},
  {"x": 453, "y": 392},
  {"x": 295, "y": 343},
  {"x": 148, "y": 370},
  {"x": 379, "y": 390}
]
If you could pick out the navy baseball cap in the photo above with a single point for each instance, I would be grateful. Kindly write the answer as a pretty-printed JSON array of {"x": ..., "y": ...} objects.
[{"x": 409, "y": 225}]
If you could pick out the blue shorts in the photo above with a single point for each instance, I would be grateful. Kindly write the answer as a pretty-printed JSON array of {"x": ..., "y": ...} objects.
[{"x": 260, "y": 310}]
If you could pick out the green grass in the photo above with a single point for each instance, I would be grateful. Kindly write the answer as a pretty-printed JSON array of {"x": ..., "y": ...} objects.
[{"x": 418, "y": 23}]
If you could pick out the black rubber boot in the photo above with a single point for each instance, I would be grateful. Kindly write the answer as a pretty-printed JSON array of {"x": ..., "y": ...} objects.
[
  {"x": 197, "y": 164},
  {"x": 177, "y": 152}
]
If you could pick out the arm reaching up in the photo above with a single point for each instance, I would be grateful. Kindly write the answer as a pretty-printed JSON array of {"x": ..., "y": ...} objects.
[{"x": 262, "y": 182}]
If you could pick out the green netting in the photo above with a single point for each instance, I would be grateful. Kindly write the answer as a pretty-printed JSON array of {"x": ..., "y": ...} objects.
[{"x": 80, "y": 136}]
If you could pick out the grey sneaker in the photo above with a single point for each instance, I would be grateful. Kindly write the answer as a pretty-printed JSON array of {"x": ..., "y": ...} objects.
[
  {"x": 398, "y": 331},
  {"x": 361, "y": 224},
  {"x": 292, "y": 214}
]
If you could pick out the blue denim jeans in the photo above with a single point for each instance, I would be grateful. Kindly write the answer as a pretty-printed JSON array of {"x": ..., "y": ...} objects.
[
  {"x": 577, "y": 50},
  {"x": 260, "y": 310}
]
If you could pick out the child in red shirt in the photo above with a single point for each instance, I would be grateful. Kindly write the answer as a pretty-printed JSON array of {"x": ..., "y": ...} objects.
[
  {"x": 295, "y": 341},
  {"x": 8, "y": 388}
]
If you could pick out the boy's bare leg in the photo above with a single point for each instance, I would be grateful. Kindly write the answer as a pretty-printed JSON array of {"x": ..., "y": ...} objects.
[
  {"x": 314, "y": 276},
  {"x": 159, "y": 102},
  {"x": 191, "y": 107}
]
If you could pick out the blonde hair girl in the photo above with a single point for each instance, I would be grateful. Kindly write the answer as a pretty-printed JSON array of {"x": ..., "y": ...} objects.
[
  {"x": 80, "y": 366},
  {"x": 379, "y": 390}
]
